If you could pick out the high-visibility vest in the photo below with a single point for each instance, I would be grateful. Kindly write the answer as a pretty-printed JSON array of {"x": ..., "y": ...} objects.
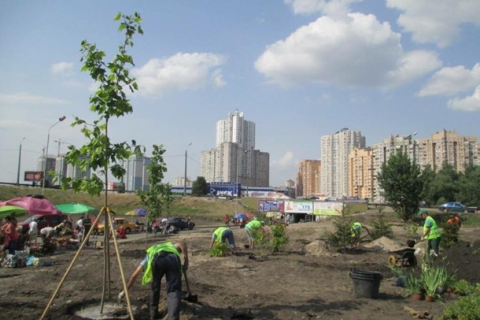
[
  {"x": 151, "y": 252},
  {"x": 252, "y": 225},
  {"x": 218, "y": 233},
  {"x": 434, "y": 232}
]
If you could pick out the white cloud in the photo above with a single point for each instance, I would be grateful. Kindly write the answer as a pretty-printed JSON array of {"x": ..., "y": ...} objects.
[
  {"x": 452, "y": 80},
  {"x": 470, "y": 103},
  {"x": 357, "y": 51},
  {"x": 284, "y": 162},
  {"x": 182, "y": 71},
  {"x": 329, "y": 7},
  {"x": 65, "y": 68},
  {"x": 436, "y": 21},
  {"x": 25, "y": 98}
]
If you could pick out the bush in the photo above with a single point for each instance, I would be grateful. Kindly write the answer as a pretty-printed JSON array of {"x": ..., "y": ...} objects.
[
  {"x": 219, "y": 249},
  {"x": 279, "y": 236},
  {"x": 342, "y": 237},
  {"x": 381, "y": 228},
  {"x": 466, "y": 308},
  {"x": 463, "y": 287},
  {"x": 411, "y": 228}
]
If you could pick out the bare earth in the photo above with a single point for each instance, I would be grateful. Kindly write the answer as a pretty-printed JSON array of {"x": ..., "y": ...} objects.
[{"x": 287, "y": 285}]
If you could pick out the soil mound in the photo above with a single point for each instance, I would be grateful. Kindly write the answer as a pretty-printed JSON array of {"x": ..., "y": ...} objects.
[
  {"x": 384, "y": 244},
  {"x": 316, "y": 248},
  {"x": 464, "y": 259}
]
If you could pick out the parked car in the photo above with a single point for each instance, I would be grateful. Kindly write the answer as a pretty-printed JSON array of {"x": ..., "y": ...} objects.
[
  {"x": 181, "y": 223},
  {"x": 455, "y": 207},
  {"x": 43, "y": 220},
  {"x": 128, "y": 226}
]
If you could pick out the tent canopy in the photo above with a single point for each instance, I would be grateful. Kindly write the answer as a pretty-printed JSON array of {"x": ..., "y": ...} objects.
[
  {"x": 76, "y": 208},
  {"x": 35, "y": 204},
  {"x": 8, "y": 210},
  {"x": 137, "y": 212}
]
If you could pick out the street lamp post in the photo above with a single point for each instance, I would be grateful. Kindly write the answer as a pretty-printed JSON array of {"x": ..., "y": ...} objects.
[
  {"x": 247, "y": 178},
  {"x": 46, "y": 151},
  {"x": 185, "y": 173},
  {"x": 236, "y": 187},
  {"x": 19, "y": 161}
]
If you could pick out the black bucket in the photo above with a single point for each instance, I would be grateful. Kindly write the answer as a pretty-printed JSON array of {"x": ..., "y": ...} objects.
[{"x": 366, "y": 284}]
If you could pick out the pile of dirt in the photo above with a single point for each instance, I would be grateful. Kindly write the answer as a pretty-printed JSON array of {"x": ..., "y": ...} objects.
[
  {"x": 383, "y": 244},
  {"x": 464, "y": 259}
]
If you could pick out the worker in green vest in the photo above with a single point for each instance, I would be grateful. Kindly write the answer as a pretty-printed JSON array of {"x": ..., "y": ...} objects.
[
  {"x": 162, "y": 259},
  {"x": 356, "y": 229},
  {"x": 431, "y": 233},
  {"x": 252, "y": 227},
  {"x": 223, "y": 234}
]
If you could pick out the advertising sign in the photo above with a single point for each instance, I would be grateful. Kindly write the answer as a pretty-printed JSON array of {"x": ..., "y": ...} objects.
[
  {"x": 327, "y": 208},
  {"x": 33, "y": 176},
  {"x": 116, "y": 186},
  {"x": 224, "y": 190},
  {"x": 261, "y": 194},
  {"x": 299, "y": 206},
  {"x": 270, "y": 206}
]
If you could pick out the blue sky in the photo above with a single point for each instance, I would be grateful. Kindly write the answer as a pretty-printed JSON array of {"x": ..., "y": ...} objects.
[{"x": 299, "y": 69}]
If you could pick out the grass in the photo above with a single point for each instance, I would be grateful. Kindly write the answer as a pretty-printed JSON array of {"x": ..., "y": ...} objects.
[{"x": 471, "y": 220}]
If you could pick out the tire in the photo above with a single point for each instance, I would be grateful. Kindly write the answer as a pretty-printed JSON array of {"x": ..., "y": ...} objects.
[
  {"x": 127, "y": 231},
  {"x": 190, "y": 226}
]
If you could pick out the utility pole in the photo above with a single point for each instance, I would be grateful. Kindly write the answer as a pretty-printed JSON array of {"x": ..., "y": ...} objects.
[{"x": 185, "y": 173}]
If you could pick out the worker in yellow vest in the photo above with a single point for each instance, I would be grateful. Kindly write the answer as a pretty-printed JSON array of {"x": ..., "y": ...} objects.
[
  {"x": 252, "y": 227},
  {"x": 223, "y": 234},
  {"x": 162, "y": 259},
  {"x": 431, "y": 233}
]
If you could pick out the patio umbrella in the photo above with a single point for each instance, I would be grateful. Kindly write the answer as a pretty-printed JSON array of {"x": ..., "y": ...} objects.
[
  {"x": 35, "y": 204},
  {"x": 76, "y": 208},
  {"x": 8, "y": 210},
  {"x": 131, "y": 213}
]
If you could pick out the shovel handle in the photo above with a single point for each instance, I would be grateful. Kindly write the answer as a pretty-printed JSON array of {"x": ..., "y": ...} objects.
[{"x": 186, "y": 282}]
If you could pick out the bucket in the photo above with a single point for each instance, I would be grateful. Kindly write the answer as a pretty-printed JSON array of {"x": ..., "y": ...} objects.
[{"x": 366, "y": 284}]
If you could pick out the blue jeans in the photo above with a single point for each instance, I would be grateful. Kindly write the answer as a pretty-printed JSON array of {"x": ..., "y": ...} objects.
[
  {"x": 167, "y": 264},
  {"x": 228, "y": 235}
]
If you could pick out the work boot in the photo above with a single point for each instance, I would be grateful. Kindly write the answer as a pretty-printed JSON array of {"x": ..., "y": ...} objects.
[{"x": 154, "y": 313}]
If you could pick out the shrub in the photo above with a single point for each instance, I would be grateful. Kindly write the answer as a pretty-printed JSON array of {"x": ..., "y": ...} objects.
[
  {"x": 381, "y": 228},
  {"x": 466, "y": 308},
  {"x": 411, "y": 228},
  {"x": 342, "y": 237},
  {"x": 279, "y": 236},
  {"x": 463, "y": 287},
  {"x": 219, "y": 249}
]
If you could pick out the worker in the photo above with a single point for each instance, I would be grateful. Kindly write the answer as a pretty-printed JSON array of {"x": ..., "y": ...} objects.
[
  {"x": 453, "y": 226},
  {"x": 431, "y": 233},
  {"x": 227, "y": 221},
  {"x": 162, "y": 259},
  {"x": 221, "y": 235},
  {"x": 356, "y": 229},
  {"x": 252, "y": 227}
]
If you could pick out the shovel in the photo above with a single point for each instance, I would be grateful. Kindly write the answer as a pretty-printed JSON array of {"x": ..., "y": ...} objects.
[{"x": 190, "y": 297}]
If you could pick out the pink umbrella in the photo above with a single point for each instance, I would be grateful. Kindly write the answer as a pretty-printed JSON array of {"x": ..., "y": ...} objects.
[{"x": 35, "y": 204}]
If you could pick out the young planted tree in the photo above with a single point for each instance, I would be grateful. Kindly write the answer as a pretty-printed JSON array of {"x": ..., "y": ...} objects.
[
  {"x": 159, "y": 196},
  {"x": 100, "y": 154},
  {"x": 402, "y": 184},
  {"x": 200, "y": 187}
]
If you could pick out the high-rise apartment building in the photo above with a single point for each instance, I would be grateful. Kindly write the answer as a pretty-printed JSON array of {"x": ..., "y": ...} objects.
[
  {"x": 237, "y": 130},
  {"x": 180, "y": 181},
  {"x": 308, "y": 178},
  {"x": 334, "y": 156},
  {"x": 136, "y": 176},
  {"x": 48, "y": 168},
  {"x": 234, "y": 158},
  {"x": 361, "y": 174},
  {"x": 448, "y": 147}
]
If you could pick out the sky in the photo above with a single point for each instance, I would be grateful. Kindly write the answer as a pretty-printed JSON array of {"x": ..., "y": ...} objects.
[{"x": 298, "y": 69}]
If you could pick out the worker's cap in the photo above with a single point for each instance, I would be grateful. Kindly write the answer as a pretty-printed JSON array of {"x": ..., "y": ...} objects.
[{"x": 422, "y": 211}]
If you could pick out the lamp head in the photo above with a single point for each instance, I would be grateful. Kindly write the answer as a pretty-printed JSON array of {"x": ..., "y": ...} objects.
[{"x": 62, "y": 118}]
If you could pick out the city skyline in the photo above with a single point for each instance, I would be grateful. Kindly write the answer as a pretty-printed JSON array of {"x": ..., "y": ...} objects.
[{"x": 299, "y": 69}]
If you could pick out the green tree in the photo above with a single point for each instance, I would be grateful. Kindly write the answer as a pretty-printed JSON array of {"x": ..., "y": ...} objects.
[
  {"x": 469, "y": 186},
  {"x": 159, "y": 196},
  {"x": 444, "y": 186},
  {"x": 109, "y": 101},
  {"x": 428, "y": 177},
  {"x": 401, "y": 182},
  {"x": 200, "y": 187}
]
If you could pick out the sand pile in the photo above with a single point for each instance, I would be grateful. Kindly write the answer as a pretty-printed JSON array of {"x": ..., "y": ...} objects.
[{"x": 384, "y": 244}]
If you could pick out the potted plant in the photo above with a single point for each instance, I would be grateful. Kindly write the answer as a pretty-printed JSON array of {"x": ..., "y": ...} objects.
[
  {"x": 431, "y": 279},
  {"x": 413, "y": 286}
]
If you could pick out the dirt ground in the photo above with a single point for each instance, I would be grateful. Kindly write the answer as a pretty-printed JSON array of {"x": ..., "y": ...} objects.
[{"x": 288, "y": 285}]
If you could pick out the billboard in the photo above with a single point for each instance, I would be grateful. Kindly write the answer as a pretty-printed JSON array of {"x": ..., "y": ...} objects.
[
  {"x": 33, "y": 176},
  {"x": 224, "y": 189},
  {"x": 299, "y": 206},
  {"x": 270, "y": 206},
  {"x": 116, "y": 186},
  {"x": 261, "y": 194},
  {"x": 327, "y": 208}
]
